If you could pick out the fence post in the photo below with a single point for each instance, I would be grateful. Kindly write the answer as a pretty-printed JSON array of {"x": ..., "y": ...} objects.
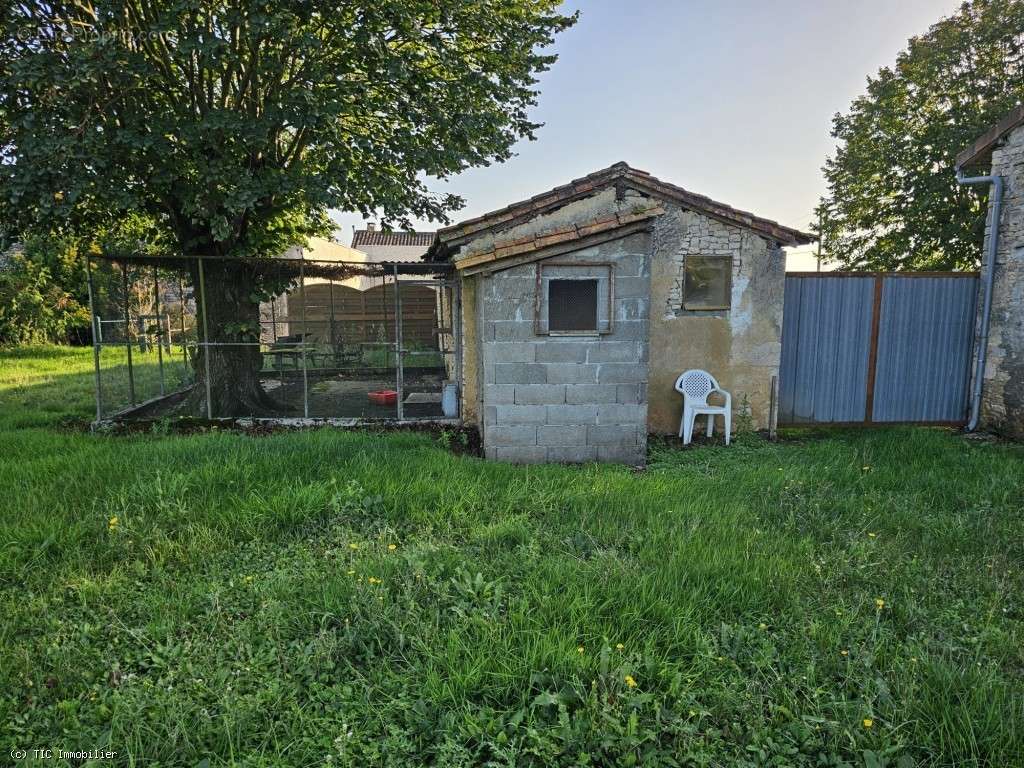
[
  {"x": 181, "y": 301},
  {"x": 876, "y": 318},
  {"x": 95, "y": 339},
  {"x": 302, "y": 336},
  {"x": 456, "y": 309},
  {"x": 334, "y": 342},
  {"x": 127, "y": 331},
  {"x": 399, "y": 352},
  {"x": 206, "y": 337},
  {"x": 160, "y": 330}
]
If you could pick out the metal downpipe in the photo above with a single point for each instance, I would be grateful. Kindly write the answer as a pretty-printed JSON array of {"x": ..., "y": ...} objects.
[{"x": 990, "y": 265}]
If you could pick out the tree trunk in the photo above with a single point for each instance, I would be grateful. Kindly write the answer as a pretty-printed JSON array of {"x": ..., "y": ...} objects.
[{"x": 232, "y": 325}]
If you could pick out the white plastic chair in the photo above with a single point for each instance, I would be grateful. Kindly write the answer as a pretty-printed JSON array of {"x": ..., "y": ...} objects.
[{"x": 695, "y": 386}]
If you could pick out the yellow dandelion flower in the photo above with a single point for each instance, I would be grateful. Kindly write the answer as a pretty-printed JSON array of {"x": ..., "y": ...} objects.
[
  {"x": 112, "y": 522},
  {"x": 249, "y": 579},
  {"x": 353, "y": 546},
  {"x": 871, "y": 535},
  {"x": 630, "y": 681},
  {"x": 693, "y": 713},
  {"x": 868, "y": 722},
  {"x": 392, "y": 547},
  {"x": 879, "y": 603},
  {"x": 762, "y": 626},
  {"x": 580, "y": 649},
  {"x": 844, "y": 652},
  {"x": 619, "y": 647},
  {"x": 913, "y": 659}
]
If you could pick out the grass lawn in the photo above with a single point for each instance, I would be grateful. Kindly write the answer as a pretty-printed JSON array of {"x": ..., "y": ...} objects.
[{"x": 845, "y": 598}]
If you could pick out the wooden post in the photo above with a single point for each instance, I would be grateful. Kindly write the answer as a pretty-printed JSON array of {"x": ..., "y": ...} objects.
[{"x": 876, "y": 316}]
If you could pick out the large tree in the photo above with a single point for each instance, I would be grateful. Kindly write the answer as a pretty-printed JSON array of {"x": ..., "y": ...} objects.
[
  {"x": 234, "y": 126},
  {"x": 893, "y": 202}
]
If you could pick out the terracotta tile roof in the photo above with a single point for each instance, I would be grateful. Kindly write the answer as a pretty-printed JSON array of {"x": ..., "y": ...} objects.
[
  {"x": 458, "y": 234},
  {"x": 504, "y": 249},
  {"x": 981, "y": 148},
  {"x": 363, "y": 237}
]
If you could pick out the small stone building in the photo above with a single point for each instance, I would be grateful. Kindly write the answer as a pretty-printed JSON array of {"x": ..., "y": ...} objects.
[
  {"x": 1000, "y": 152},
  {"x": 582, "y": 305}
]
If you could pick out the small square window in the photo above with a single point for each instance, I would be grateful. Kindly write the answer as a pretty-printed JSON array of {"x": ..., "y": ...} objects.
[
  {"x": 707, "y": 282},
  {"x": 572, "y": 305}
]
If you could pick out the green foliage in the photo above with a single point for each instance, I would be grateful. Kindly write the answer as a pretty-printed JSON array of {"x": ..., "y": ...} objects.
[
  {"x": 231, "y": 128},
  {"x": 42, "y": 294},
  {"x": 356, "y": 599},
  {"x": 893, "y": 202}
]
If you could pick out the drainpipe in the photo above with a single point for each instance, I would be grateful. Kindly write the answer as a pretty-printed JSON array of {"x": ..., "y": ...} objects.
[{"x": 990, "y": 266}]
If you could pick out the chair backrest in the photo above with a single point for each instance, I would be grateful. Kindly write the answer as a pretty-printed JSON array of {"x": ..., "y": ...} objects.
[{"x": 696, "y": 385}]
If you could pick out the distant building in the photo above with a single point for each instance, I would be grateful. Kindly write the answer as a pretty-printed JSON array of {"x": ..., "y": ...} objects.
[
  {"x": 8, "y": 255},
  {"x": 381, "y": 245}
]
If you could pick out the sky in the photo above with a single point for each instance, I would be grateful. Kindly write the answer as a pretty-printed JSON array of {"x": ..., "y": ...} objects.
[{"x": 732, "y": 99}]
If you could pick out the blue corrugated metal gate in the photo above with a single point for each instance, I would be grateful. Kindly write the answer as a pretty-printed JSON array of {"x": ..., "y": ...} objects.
[{"x": 876, "y": 348}]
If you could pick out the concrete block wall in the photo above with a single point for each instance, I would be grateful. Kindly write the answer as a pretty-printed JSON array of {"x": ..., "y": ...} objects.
[
  {"x": 1002, "y": 407},
  {"x": 567, "y": 398}
]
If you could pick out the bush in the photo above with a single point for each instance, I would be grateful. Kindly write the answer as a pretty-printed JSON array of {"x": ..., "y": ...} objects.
[{"x": 43, "y": 297}]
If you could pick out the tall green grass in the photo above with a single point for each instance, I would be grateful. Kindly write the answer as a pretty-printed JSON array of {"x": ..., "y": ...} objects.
[{"x": 324, "y": 596}]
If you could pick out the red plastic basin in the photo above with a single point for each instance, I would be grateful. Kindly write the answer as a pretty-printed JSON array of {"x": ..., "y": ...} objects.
[{"x": 383, "y": 397}]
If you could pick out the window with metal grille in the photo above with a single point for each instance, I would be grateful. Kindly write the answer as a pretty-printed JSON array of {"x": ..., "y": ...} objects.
[{"x": 572, "y": 305}]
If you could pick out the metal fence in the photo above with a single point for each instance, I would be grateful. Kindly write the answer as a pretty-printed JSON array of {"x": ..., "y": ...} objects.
[
  {"x": 280, "y": 339},
  {"x": 873, "y": 348}
]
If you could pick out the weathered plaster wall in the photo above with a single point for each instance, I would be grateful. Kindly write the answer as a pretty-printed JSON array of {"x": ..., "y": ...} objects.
[
  {"x": 571, "y": 398},
  {"x": 741, "y": 347},
  {"x": 1003, "y": 385}
]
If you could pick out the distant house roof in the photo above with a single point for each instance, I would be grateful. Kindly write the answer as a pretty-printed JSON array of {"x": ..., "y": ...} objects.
[
  {"x": 371, "y": 237},
  {"x": 981, "y": 148},
  {"x": 451, "y": 237}
]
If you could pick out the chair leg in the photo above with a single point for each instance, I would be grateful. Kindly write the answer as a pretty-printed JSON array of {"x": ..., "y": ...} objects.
[
  {"x": 728, "y": 426},
  {"x": 688, "y": 419},
  {"x": 682, "y": 423},
  {"x": 711, "y": 424}
]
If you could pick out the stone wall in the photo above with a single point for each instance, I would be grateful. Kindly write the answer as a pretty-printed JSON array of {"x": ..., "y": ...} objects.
[
  {"x": 741, "y": 346},
  {"x": 570, "y": 398},
  {"x": 1003, "y": 385}
]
